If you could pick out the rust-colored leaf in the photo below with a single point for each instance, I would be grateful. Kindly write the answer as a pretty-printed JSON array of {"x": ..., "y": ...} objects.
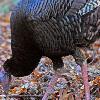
[
  {"x": 97, "y": 81},
  {"x": 36, "y": 74}
]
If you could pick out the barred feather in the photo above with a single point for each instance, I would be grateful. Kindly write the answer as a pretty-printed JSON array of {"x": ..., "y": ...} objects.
[{"x": 52, "y": 28}]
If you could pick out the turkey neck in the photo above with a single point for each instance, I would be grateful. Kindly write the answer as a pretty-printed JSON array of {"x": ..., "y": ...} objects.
[{"x": 91, "y": 26}]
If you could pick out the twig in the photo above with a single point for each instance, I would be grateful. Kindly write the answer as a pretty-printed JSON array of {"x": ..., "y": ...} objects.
[
  {"x": 17, "y": 95},
  {"x": 85, "y": 80}
]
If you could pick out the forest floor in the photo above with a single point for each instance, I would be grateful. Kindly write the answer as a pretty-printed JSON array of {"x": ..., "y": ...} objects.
[{"x": 33, "y": 87}]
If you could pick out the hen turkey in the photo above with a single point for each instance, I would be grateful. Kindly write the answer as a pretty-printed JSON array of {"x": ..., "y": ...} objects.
[{"x": 52, "y": 28}]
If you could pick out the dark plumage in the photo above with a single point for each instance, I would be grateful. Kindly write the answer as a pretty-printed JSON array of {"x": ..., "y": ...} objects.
[{"x": 52, "y": 28}]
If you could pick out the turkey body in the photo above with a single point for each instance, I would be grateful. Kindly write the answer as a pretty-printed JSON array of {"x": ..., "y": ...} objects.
[{"x": 51, "y": 28}]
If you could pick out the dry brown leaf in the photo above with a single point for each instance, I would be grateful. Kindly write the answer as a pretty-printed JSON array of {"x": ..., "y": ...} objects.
[
  {"x": 23, "y": 90},
  {"x": 78, "y": 78},
  {"x": 0, "y": 97},
  {"x": 6, "y": 18},
  {"x": 97, "y": 99},
  {"x": 47, "y": 61},
  {"x": 66, "y": 96},
  {"x": 36, "y": 74},
  {"x": 34, "y": 81},
  {"x": 13, "y": 91},
  {"x": 97, "y": 81}
]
